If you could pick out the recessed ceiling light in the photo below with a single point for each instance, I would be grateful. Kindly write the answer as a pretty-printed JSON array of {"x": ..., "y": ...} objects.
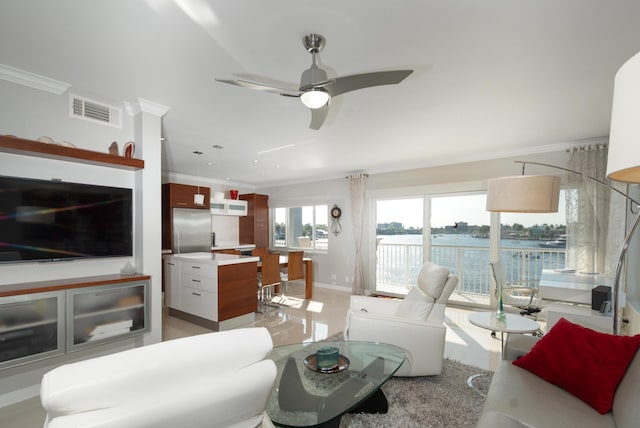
[
  {"x": 217, "y": 146},
  {"x": 277, "y": 166},
  {"x": 255, "y": 161},
  {"x": 209, "y": 163}
]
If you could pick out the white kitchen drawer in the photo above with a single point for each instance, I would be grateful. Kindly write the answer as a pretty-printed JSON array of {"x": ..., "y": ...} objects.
[
  {"x": 200, "y": 303},
  {"x": 202, "y": 269},
  {"x": 204, "y": 283}
]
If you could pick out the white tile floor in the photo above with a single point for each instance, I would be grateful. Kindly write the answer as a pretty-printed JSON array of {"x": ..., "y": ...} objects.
[{"x": 313, "y": 320}]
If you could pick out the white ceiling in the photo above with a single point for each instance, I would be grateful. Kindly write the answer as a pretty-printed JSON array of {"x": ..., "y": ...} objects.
[{"x": 492, "y": 77}]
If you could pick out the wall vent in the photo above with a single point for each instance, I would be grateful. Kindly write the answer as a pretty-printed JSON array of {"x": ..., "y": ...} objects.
[{"x": 82, "y": 108}]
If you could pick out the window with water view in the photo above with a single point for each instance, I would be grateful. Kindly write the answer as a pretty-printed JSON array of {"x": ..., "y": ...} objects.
[
  {"x": 302, "y": 227},
  {"x": 459, "y": 239}
]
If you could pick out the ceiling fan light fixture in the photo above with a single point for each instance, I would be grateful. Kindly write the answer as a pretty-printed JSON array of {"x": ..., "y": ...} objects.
[{"x": 315, "y": 98}]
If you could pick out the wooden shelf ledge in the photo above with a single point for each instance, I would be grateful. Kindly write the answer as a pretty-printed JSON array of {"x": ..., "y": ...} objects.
[
  {"x": 21, "y": 146},
  {"x": 68, "y": 283}
]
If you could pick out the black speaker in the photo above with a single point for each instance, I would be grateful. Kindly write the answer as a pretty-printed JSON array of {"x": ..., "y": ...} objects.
[{"x": 599, "y": 295}]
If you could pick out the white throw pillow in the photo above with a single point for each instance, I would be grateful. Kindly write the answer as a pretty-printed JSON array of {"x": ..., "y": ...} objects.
[
  {"x": 432, "y": 278},
  {"x": 415, "y": 306}
]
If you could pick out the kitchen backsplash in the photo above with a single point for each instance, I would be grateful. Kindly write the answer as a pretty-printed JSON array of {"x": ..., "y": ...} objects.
[{"x": 226, "y": 229}]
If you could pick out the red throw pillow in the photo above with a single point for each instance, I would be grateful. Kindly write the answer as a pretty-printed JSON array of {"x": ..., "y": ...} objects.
[{"x": 584, "y": 362}]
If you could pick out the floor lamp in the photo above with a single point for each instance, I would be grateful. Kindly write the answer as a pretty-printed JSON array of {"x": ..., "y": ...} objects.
[
  {"x": 538, "y": 194},
  {"x": 623, "y": 161},
  {"x": 616, "y": 288}
]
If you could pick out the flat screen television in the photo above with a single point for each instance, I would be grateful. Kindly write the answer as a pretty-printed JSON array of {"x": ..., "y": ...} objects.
[{"x": 44, "y": 220}]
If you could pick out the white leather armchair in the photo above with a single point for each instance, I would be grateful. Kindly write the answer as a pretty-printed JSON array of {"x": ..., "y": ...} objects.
[
  {"x": 210, "y": 380},
  {"x": 415, "y": 324}
]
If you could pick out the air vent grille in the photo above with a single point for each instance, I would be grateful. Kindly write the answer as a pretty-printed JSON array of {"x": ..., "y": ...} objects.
[{"x": 93, "y": 111}]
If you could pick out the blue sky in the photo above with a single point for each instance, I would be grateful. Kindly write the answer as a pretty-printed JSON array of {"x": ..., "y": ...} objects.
[{"x": 447, "y": 210}]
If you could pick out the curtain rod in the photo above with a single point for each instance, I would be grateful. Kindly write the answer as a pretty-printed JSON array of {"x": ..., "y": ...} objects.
[{"x": 598, "y": 146}]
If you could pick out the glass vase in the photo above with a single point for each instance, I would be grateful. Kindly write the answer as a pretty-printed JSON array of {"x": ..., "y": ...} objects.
[{"x": 500, "y": 316}]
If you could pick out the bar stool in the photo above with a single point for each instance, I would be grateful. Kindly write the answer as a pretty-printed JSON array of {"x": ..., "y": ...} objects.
[
  {"x": 268, "y": 280},
  {"x": 295, "y": 270}
]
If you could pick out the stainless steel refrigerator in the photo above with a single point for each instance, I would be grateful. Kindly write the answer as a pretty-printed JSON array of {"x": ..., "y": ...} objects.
[{"x": 191, "y": 230}]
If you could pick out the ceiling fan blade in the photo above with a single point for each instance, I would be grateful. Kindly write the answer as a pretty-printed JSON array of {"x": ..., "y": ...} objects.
[
  {"x": 318, "y": 115},
  {"x": 259, "y": 87},
  {"x": 340, "y": 85}
]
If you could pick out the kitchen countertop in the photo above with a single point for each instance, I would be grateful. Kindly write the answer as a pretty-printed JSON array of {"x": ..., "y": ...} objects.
[
  {"x": 216, "y": 258},
  {"x": 234, "y": 247},
  {"x": 224, "y": 247}
]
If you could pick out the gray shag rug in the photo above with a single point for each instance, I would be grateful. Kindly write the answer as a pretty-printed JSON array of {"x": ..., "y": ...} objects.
[{"x": 444, "y": 401}]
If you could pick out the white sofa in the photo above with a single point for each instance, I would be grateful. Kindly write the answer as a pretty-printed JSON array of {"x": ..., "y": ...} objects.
[
  {"x": 415, "y": 324},
  {"x": 519, "y": 398},
  {"x": 210, "y": 380}
]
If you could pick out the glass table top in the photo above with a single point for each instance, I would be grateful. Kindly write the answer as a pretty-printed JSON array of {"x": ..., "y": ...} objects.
[{"x": 303, "y": 397}]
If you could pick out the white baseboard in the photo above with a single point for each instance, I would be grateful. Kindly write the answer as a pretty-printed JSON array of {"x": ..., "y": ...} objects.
[
  {"x": 332, "y": 287},
  {"x": 19, "y": 395}
]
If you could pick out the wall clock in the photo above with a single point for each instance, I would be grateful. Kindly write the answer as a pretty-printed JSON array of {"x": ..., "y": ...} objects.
[{"x": 336, "y": 227}]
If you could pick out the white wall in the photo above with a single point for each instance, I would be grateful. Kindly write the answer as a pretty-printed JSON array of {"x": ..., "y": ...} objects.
[
  {"x": 335, "y": 268},
  {"x": 30, "y": 113}
]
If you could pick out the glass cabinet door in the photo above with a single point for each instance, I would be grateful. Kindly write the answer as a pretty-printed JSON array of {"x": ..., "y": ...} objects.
[
  {"x": 237, "y": 207},
  {"x": 31, "y": 327},
  {"x": 97, "y": 314},
  {"x": 218, "y": 207}
]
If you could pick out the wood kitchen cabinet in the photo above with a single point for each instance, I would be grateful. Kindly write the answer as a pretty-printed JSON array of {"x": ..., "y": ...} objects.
[
  {"x": 176, "y": 195},
  {"x": 237, "y": 285},
  {"x": 254, "y": 228},
  {"x": 181, "y": 195}
]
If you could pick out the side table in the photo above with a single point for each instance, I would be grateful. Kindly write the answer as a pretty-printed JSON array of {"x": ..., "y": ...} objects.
[{"x": 511, "y": 324}]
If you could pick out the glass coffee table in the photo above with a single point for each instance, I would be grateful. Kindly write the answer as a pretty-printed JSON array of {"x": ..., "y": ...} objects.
[{"x": 304, "y": 397}]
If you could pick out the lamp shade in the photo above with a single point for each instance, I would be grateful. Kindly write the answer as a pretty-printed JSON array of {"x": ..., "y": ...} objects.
[
  {"x": 623, "y": 160},
  {"x": 524, "y": 194},
  {"x": 315, "y": 98}
]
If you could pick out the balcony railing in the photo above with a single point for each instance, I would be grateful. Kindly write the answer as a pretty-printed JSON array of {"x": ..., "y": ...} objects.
[{"x": 398, "y": 265}]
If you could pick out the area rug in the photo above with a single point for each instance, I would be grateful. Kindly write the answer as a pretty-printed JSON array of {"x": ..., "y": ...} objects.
[{"x": 444, "y": 401}]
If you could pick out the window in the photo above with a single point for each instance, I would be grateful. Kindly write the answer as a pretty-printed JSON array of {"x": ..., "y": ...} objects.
[
  {"x": 399, "y": 254},
  {"x": 304, "y": 227},
  {"x": 460, "y": 226}
]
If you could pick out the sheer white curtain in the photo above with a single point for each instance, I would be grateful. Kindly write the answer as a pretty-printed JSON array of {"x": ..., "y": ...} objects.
[
  {"x": 356, "y": 186},
  {"x": 595, "y": 214}
]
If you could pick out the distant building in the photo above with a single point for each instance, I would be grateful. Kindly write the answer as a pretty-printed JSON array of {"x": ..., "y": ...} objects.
[
  {"x": 392, "y": 228},
  {"x": 535, "y": 232},
  {"x": 459, "y": 227}
]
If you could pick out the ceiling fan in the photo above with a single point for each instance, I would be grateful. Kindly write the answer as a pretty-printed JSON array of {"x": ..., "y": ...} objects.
[{"x": 316, "y": 89}]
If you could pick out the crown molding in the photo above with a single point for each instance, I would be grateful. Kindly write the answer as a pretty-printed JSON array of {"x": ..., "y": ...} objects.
[
  {"x": 32, "y": 80},
  {"x": 146, "y": 106}
]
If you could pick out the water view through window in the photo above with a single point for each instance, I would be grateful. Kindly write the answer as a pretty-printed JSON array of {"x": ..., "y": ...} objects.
[{"x": 459, "y": 238}]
